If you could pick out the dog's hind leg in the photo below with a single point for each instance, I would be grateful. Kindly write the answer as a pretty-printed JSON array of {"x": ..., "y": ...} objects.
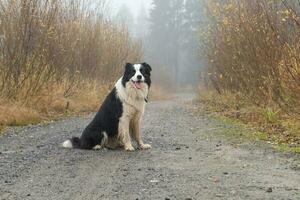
[{"x": 104, "y": 140}]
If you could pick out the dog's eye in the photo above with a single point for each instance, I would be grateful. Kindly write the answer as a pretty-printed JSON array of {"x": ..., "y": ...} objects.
[{"x": 133, "y": 71}]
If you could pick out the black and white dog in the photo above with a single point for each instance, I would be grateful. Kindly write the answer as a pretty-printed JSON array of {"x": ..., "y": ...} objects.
[{"x": 119, "y": 117}]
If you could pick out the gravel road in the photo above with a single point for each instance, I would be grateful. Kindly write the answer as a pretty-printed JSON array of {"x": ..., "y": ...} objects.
[{"x": 188, "y": 160}]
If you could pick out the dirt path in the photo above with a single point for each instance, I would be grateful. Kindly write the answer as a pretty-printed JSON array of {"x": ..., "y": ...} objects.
[{"x": 188, "y": 161}]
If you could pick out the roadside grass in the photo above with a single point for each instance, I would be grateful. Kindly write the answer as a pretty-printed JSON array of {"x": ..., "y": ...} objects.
[
  {"x": 17, "y": 115},
  {"x": 269, "y": 123},
  {"x": 287, "y": 148},
  {"x": 243, "y": 133},
  {"x": 270, "y": 115},
  {"x": 52, "y": 105}
]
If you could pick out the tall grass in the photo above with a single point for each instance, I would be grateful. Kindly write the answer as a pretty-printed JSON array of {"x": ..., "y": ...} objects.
[
  {"x": 253, "y": 48},
  {"x": 55, "y": 53}
]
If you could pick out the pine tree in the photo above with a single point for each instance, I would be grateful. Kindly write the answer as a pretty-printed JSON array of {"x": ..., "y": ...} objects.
[
  {"x": 165, "y": 37},
  {"x": 173, "y": 37},
  {"x": 142, "y": 23},
  {"x": 193, "y": 17},
  {"x": 125, "y": 17}
]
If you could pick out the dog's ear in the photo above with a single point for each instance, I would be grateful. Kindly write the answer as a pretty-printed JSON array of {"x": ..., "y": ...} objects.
[
  {"x": 147, "y": 66},
  {"x": 128, "y": 66}
]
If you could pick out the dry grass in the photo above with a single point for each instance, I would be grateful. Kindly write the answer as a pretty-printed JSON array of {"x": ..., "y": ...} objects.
[
  {"x": 280, "y": 128},
  {"x": 15, "y": 114},
  {"x": 52, "y": 105},
  {"x": 84, "y": 98}
]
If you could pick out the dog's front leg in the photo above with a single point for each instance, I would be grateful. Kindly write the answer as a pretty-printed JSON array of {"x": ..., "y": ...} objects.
[
  {"x": 137, "y": 133},
  {"x": 124, "y": 134}
]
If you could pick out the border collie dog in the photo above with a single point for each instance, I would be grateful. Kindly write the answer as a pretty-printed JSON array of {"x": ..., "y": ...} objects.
[{"x": 119, "y": 118}]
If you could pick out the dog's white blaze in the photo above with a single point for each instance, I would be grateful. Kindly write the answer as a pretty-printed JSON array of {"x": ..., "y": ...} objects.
[
  {"x": 67, "y": 144},
  {"x": 137, "y": 68}
]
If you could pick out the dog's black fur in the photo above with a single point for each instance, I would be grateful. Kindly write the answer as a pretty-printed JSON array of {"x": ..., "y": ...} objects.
[{"x": 106, "y": 121}]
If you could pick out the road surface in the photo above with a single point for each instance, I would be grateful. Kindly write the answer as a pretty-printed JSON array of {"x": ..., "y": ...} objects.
[{"x": 188, "y": 160}]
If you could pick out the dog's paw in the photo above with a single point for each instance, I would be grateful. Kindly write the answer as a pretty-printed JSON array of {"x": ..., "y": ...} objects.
[
  {"x": 97, "y": 147},
  {"x": 129, "y": 148},
  {"x": 145, "y": 146}
]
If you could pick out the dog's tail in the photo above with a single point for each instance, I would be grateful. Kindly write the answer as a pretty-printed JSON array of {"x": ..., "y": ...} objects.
[
  {"x": 81, "y": 143},
  {"x": 72, "y": 143}
]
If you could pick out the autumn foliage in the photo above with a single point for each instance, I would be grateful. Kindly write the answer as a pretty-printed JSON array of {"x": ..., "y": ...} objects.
[
  {"x": 57, "y": 55},
  {"x": 253, "y": 49}
]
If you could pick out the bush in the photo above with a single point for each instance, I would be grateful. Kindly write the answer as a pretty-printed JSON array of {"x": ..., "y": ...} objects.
[
  {"x": 56, "y": 53},
  {"x": 253, "y": 47},
  {"x": 44, "y": 43}
]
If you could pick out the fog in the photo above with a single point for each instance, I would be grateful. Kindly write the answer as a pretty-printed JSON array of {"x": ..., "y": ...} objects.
[
  {"x": 133, "y": 5},
  {"x": 168, "y": 32}
]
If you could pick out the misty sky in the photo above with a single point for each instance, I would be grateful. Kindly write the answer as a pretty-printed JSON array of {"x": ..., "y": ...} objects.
[{"x": 134, "y": 5}]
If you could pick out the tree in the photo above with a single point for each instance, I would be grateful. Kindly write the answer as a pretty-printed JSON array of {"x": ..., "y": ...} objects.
[
  {"x": 193, "y": 18},
  {"x": 165, "y": 37},
  {"x": 125, "y": 17},
  {"x": 142, "y": 23},
  {"x": 172, "y": 39}
]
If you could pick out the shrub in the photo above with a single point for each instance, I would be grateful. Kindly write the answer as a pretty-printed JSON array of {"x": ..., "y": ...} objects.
[
  {"x": 253, "y": 47},
  {"x": 58, "y": 56},
  {"x": 46, "y": 43}
]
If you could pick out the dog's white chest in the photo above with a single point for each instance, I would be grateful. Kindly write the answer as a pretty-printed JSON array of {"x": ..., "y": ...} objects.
[{"x": 133, "y": 100}]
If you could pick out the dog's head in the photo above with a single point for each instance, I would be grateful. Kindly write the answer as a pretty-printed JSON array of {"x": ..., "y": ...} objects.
[{"x": 138, "y": 75}]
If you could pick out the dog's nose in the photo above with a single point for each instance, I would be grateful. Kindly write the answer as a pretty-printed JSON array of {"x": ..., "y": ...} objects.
[{"x": 139, "y": 77}]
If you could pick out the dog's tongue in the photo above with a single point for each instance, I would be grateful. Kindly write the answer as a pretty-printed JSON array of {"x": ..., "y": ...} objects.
[{"x": 138, "y": 84}]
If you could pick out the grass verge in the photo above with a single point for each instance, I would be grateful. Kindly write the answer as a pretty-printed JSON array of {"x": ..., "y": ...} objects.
[
  {"x": 269, "y": 122},
  {"x": 52, "y": 105}
]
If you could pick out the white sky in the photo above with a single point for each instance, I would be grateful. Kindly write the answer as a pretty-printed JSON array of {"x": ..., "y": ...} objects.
[{"x": 134, "y": 5}]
